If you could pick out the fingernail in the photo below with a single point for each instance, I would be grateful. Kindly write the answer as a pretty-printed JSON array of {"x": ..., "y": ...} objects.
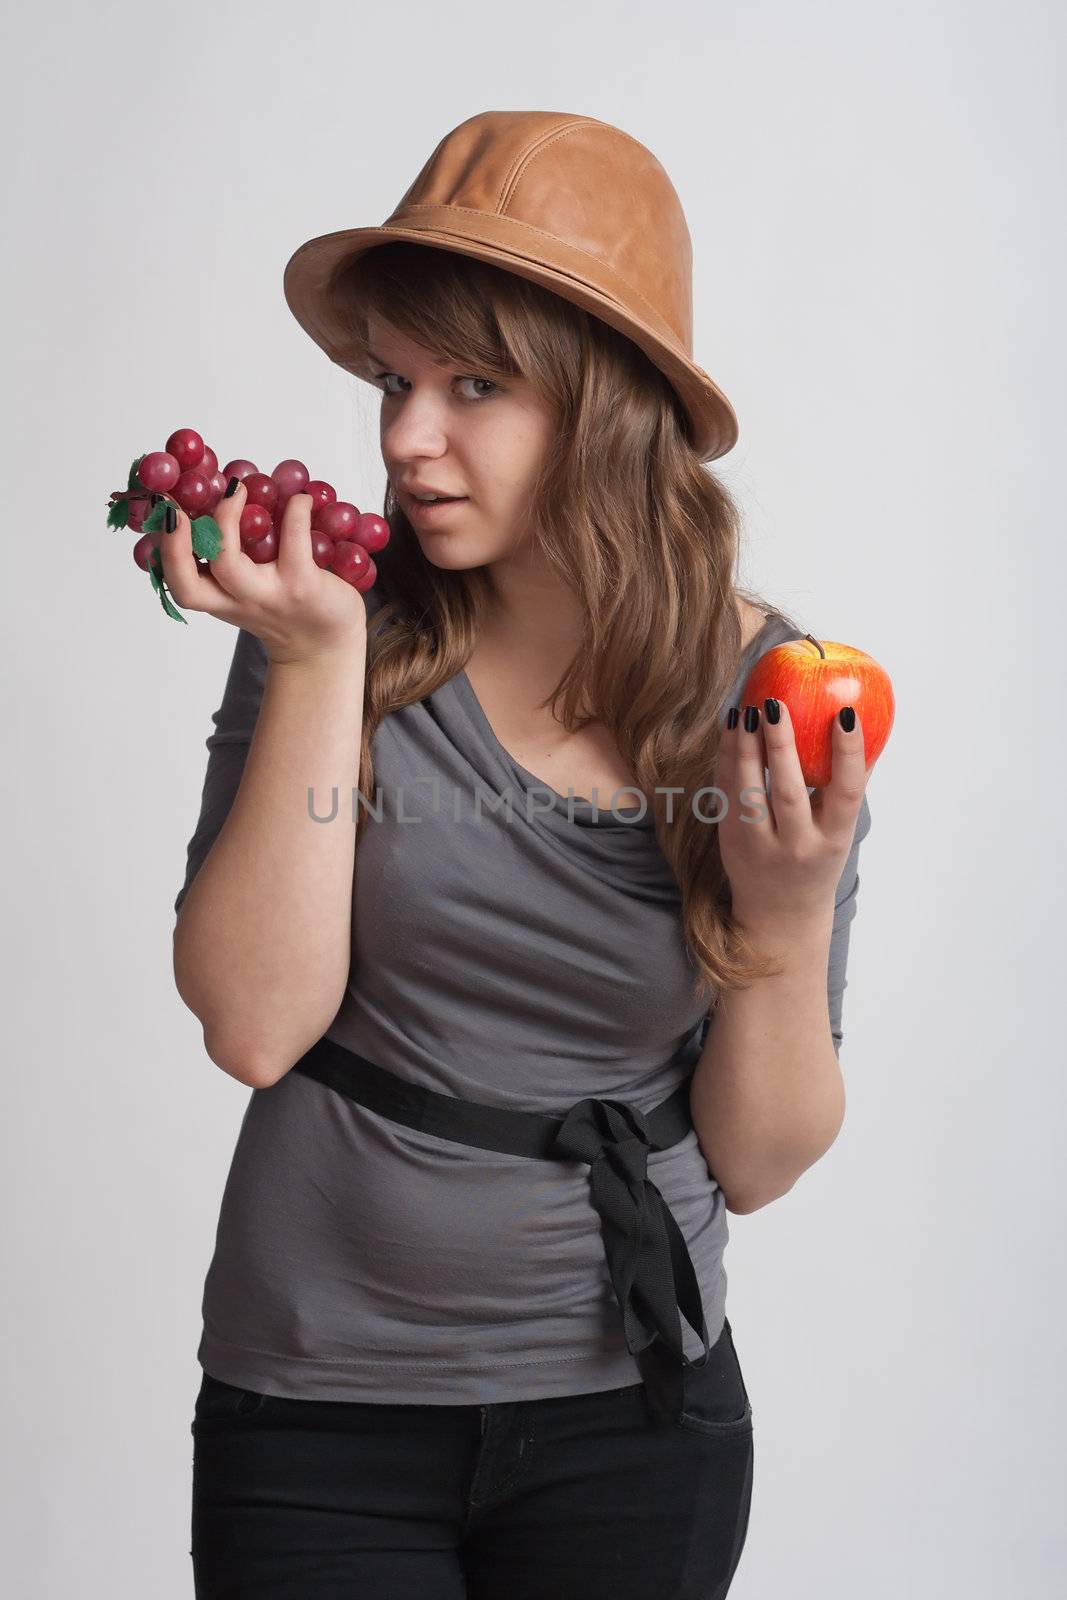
[
  {"x": 751, "y": 718},
  {"x": 847, "y": 718},
  {"x": 231, "y": 488},
  {"x": 731, "y": 720},
  {"x": 170, "y": 519},
  {"x": 773, "y": 710},
  {"x": 156, "y": 498}
]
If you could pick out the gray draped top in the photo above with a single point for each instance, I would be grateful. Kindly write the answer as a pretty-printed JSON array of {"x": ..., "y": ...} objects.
[{"x": 521, "y": 949}]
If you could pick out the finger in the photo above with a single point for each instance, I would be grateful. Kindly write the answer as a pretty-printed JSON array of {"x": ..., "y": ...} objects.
[
  {"x": 190, "y": 588},
  {"x": 838, "y": 804},
  {"x": 176, "y": 554},
  {"x": 749, "y": 766},
  {"x": 726, "y": 755},
  {"x": 789, "y": 802},
  {"x": 295, "y": 560},
  {"x": 231, "y": 567}
]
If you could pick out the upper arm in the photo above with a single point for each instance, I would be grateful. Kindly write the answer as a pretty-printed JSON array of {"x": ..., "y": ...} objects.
[{"x": 227, "y": 746}]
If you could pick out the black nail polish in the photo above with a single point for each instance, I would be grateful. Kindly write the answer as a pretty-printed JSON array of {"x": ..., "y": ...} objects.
[
  {"x": 156, "y": 498},
  {"x": 231, "y": 488},
  {"x": 751, "y": 718},
  {"x": 170, "y": 519},
  {"x": 731, "y": 720},
  {"x": 847, "y": 718},
  {"x": 773, "y": 710}
]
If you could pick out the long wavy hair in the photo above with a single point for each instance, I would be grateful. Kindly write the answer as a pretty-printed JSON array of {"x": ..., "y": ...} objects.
[{"x": 627, "y": 515}]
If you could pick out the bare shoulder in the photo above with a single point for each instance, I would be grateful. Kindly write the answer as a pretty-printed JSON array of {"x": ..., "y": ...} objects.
[{"x": 752, "y": 620}]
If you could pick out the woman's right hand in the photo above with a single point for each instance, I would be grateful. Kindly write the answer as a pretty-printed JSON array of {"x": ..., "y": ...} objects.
[{"x": 299, "y": 610}]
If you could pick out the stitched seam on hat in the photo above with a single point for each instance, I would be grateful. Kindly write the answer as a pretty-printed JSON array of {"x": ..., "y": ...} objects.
[
  {"x": 514, "y": 222},
  {"x": 590, "y": 122},
  {"x": 542, "y": 143}
]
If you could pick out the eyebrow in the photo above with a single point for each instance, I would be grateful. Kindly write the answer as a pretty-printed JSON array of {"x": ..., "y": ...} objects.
[{"x": 379, "y": 361}]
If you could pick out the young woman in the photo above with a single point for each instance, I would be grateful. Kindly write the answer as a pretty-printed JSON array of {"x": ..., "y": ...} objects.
[{"x": 526, "y": 1004}]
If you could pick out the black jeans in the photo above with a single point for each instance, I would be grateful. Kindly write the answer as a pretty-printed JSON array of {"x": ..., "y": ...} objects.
[{"x": 567, "y": 1498}]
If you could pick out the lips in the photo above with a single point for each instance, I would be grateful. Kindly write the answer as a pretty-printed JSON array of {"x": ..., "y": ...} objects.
[
  {"x": 413, "y": 491},
  {"x": 429, "y": 516},
  {"x": 441, "y": 500}
]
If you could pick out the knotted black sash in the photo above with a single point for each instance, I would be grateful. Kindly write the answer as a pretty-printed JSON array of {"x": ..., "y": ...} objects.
[{"x": 650, "y": 1266}]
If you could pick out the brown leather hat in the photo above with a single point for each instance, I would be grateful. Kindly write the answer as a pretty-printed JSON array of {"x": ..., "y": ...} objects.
[{"x": 566, "y": 201}]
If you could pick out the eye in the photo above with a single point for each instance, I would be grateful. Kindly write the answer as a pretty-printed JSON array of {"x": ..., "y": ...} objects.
[
  {"x": 488, "y": 381},
  {"x": 380, "y": 377}
]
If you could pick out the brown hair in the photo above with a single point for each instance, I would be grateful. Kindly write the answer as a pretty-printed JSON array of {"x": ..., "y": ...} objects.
[{"x": 625, "y": 513}]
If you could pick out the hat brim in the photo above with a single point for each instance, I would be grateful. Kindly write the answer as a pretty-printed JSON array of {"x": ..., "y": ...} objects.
[{"x": 308, "y": 282}]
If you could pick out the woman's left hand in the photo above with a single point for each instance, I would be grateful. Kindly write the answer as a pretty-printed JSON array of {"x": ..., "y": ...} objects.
[{"x": 784, "y": 866}]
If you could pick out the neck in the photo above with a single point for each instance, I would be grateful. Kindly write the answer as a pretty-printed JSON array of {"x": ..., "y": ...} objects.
[{"x": 534, "y": 621}]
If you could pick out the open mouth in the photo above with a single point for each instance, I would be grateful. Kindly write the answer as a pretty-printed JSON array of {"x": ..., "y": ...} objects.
[{"x": 424, "y": 510}]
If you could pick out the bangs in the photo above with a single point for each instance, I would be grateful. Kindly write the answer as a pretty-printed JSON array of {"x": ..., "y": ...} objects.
[{"x": 463, "y": 311}]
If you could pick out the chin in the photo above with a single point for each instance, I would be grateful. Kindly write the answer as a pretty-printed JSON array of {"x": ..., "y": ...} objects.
[
  {"x": 455, "y": 553},
  {"x": 449, "y": 554}
]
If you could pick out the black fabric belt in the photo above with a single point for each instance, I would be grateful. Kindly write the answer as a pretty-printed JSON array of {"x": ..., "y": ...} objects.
[{"x": 650, "y": 1266}]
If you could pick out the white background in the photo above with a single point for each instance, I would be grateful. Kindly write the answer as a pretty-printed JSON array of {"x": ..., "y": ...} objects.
[{"x": 875, "y": 196}]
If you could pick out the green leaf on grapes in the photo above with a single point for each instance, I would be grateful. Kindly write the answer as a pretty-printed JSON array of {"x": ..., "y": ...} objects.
[
  {"x": 119, "y": 515},
  {"x": 170, "y": 610},
  {"x": 158, "y": 583},
  {"x": 207, "y": 538},
  {"x": 153, "y": 523},
  {"x": 134, "y": 481}
]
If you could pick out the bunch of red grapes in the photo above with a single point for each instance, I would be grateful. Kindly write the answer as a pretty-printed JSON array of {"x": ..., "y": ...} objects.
[{"x": 343, "y": 538}]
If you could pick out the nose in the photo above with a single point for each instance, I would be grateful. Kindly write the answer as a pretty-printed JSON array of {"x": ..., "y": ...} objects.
[{"x": 414, "y": 429}]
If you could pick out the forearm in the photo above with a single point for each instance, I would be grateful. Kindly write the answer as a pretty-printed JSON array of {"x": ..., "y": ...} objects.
[
  {"x": 262, "y": 944},
  {"x": 767, "y": 1097}
]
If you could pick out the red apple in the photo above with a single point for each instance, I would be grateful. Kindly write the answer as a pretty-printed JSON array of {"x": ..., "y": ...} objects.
[{"x": 816, "y": 678}]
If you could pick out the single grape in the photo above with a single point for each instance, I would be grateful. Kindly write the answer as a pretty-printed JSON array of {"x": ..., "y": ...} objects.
[
  {"x": 159, "y": 470},
  {"x": 339, "y": 520},
  {"x": 350, "y": 561},
  {"x": 322, "y": 494},
  {"x": 265, "y": 549},
  {"x": 261, "y": 490},
  {"x": 255, "y": 523},
  {"x": 322, "y": 548},
  {"x": 218, "y": 487},
  {"x": 187, "y": 448},
  {"x": 238, "y": 468},
  {"x": 208, "y": 463},
  {"x": 292, "y": 477},
  {"x": 372, "y": 531},
  {"x": 369, "y": 578},
  {"x": 143, "y": 549},
  {"x": 193, "y": 493},
  {"x": 137, "y": 508}
]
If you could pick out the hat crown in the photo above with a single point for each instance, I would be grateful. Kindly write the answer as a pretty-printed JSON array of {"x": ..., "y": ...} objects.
[{"x": 576, "y": 180}]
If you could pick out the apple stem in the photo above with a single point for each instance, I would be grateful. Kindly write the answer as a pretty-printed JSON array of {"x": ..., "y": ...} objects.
[{"x": 816, "y": 643}]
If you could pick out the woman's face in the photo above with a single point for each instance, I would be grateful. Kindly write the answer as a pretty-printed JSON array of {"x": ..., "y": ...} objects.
[{"x": 452, "y": 431}]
